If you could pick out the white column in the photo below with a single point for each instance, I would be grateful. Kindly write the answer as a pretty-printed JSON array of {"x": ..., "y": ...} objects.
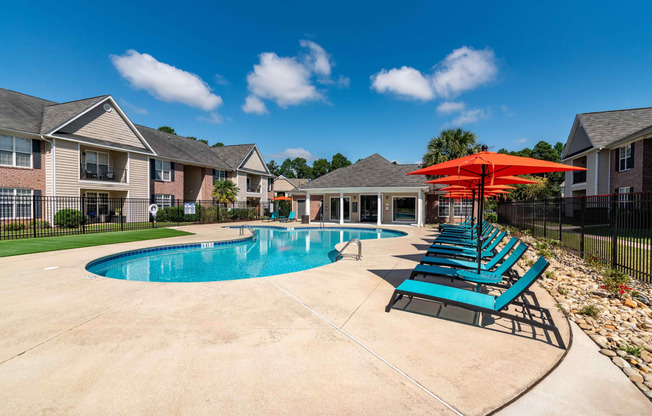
[
  {"x": 341, "y": 208},
  {"x": 420, "y": 209},
  {"x": 308, "y": 206},
  {"x": 380, "y": 209}
]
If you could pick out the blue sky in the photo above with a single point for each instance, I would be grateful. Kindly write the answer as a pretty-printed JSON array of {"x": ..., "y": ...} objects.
[{"x": 327, "y": 77}]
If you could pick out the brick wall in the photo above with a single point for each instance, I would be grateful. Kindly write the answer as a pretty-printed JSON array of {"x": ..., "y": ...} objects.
[
  {"x": 632, "y": 177},
  {"x": 647, "y": 166},
  {"x": 11, "y": 177},
  {"x": 170, "y": 188},
  {"x": 207, "y": 185}
]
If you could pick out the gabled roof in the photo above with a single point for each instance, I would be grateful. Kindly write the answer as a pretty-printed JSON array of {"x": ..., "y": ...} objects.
[
  {"x": 372, "y": 172},
  {"x": 56, "y": 115},
  {"x": 172, "y": 146},
  {"x": 608, "y": 127},
  {"x": 233, "y": 155},
  {"x": 21, "y": 112}
]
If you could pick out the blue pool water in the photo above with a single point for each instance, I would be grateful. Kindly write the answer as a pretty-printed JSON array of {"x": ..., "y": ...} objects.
[{"x": 276, "y": 251}]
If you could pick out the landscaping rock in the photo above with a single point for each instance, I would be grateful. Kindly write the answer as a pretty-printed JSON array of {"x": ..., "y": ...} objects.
[
  {"x": 619, "y": 362},
  {"x": 607, "y": 352},
  {"x": 630, "y": 303}
]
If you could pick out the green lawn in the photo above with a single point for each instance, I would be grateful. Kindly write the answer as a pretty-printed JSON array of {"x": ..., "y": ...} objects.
[{"x": 39, "y": 245}]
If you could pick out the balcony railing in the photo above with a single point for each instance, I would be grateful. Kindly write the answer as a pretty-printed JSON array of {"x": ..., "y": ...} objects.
[
  {"x": 254, "y": 190},
  {"x": 579, "y": 177},
  {"x": 103, "y": 174}
]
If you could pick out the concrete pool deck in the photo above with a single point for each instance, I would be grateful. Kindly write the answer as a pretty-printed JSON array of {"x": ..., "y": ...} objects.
[{"x": 311, "y": 342}]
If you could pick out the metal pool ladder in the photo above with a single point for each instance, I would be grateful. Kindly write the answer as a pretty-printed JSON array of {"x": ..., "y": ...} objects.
[
  {"x": 341, "y": 254},
  {"x": 254, "y": 234}
]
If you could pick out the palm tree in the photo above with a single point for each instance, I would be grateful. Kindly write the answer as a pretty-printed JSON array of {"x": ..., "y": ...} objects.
[
  {"x": 225, "y": 191},
  {"x": 450, "y": 144}
]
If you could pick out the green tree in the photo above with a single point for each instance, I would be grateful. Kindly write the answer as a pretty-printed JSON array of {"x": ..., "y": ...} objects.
[
  {"x": 225, "y": 191},
  {"x": 339, "y": 161},
  {"x": 199, "y": 140},
  {"x": 167, "y": 129},
  {"x": 300, "y": 168},
  {"x": 320, "y": 167},
  {"x": 286, "y": 169},
  {"x": 218, "y": 144},
  {"x": 450, "y": 144},
  {"x": 273, "y": 168}
]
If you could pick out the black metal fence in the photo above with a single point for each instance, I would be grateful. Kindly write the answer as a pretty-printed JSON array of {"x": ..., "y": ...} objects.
[
  {"x": 616, "y": 229},
  {"x": 27, "y": 216}
]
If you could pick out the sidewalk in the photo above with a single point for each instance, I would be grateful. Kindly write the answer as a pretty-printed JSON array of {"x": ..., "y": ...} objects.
[{"x": 585, "y": 383}]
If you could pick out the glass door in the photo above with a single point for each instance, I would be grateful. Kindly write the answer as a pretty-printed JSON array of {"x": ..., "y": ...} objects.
[
  {"x": 335, "y": 208},
  {"x": 368, "y": 208}
]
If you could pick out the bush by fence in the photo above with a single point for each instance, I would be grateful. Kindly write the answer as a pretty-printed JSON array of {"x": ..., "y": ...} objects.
[
  {"x": 615, "y": 229},
  {"x": 42, "y": 216}
]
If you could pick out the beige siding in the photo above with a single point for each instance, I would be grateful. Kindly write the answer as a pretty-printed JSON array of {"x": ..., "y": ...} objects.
[
  {"x": 241, "y": 181},
  {"x": 263, "y": 187},
  {"x": 282, "y": 185},
  {"x": 254, "y": 162},
  {"x": 48, "y": 169},
  {"x": 604, "y": 168},
  {"x": 138, "y": 176},
  {"x": 67, "y": 168},
  {"x": 103, "y": 125},
  {"x": 591, "y": 172}
]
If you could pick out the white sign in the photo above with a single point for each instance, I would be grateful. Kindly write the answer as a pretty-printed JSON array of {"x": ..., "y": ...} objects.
[
  {"x": 189, "y": 208},
  {"x": 153, "y": 209}
]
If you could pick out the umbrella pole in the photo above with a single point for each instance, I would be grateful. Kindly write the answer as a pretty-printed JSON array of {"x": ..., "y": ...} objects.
[
  {"x": 472, "y": 207},
  {"x": 480, "y": 215}
]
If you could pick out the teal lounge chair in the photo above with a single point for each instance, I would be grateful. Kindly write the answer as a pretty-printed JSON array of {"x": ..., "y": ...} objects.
[
  {"x": 484, "y": 303},
  {"x": 291, "y": 217},
  {"x": 273, "y": 217},
  {"x": 487, "y": 247}
]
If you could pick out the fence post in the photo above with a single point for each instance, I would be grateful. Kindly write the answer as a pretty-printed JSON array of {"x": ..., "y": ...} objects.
[
  {"x": 533, "y": 205},
  {"x": 34, "y": 215},
  {"x": 83, "y": 211},
  {"x": 614, "y": 231},
  {"x": 583, "y": 213},
  {"x": 122, "y": 207},
  {"x": 178, "y": 213},
  {"x": 559, "y": 213},
  {"x": 545, "y": 218}
]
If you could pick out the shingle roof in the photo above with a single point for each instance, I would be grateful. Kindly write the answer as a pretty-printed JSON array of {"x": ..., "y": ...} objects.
[
  {"x": 297, "y": 182},
  {"x": 608, "y": 127},
  {"x": 374, "y": 171},
  {"x": 56, "y": 114},
  {"x": 21, "y": 112},
  {"x": 234, "y": 155},
  {"x": 181, "y": 148}
]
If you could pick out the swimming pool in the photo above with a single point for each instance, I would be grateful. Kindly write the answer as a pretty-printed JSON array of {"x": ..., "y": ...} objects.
[{"x": 276, "y": 251}]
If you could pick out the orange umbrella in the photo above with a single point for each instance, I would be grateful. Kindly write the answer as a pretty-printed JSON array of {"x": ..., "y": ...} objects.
[
  {"x": 488, "y": 187},
  {"x": 281, "y": 198},
  {"x": 467, "y": 180},
  {"x": 487, "y": 166}
]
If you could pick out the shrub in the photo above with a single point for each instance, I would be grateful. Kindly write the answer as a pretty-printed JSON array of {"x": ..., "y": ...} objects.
[
  {"x": 39, "y": 224},
  {"x": 13, "y": 226},
  {"x": 589, "y": 310},
  {"x": 243, "y": 214},
  {"x": 632, "y": 350},
  {"x": 70, "y": 218},
  {"x": 541, "y": 248},
  {"x": 175, "y": 214},
  {"x": 615, "y": 282},
  {"x": 491, "y": 216}
]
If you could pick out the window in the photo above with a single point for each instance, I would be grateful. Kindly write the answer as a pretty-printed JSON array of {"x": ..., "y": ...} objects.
[
  {"x": 163, "y": 200},
  {"x": 462, "y": 208},
  {"x": 625, "y": 158},
  {"x": 219, "y": 175},
  {"x": 444, "y": 207},
  {"x": 162, "y": 170},
  {"x": 270, "y": 184},
  {"x": 335, "y": 208},
  {"x": 97, "y": 203},
  {"x": 15, "y": 203},
  {"x": 97, "y": 165},
  {"x": 15, "y": 151},
  {"x": 405, "y": 209}
]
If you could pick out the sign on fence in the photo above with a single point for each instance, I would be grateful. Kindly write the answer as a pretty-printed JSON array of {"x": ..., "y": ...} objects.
[{"x": 189, "y": 208}]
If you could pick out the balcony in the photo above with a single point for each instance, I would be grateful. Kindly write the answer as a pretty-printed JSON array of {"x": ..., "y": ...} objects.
[
  {"x": 579, "y": 177},
  {"x": 103, "y": 174},
  {"x": 253, "y": 190}
]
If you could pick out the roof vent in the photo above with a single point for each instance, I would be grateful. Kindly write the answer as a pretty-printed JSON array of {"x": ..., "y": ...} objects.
[{"x": 107, "y": 107}]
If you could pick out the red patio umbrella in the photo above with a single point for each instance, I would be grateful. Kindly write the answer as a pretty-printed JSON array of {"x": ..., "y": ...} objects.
[
  {"x": 282, "y": 198},
  {"x": 468, "y": 180},
  {"x": 487, "y": 165}
]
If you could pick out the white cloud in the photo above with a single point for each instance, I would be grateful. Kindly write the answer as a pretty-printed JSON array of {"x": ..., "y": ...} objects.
[
  {"x": 132, "y": 108},
  {"x": 165, "y": 82},
  {"x": 290, "y": 80},
  {"x": 213, "y": 117},
  {"x": 254, "y": 105},
  {"x": 405, "y": 82},
  {"x": 470, "y": 116},
  {"x": 292, "y": 153},
  {"x": 448, "y": 107},
  {"x": 520, "y": 141},
  {"x": 221, "y": 80},
  {"x": 343, "y": 82},
  {"x": 462, "y": 70}
]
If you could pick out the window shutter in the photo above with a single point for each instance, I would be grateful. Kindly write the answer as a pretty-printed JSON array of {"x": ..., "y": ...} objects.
[
  {"x": 36, "y": 154},
  {"x": 630, "y": 161},
  {"x": 152, "y": 169},
  {"x": 172, "y": 171},
  {"x": 617, "y": 152},
  {"x": 37, "y": 199}
]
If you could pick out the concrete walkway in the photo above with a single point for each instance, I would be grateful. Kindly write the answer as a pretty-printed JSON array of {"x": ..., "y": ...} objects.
[
  {"x": 585, "y": 383},
  {"x": 311, "y": 342}
]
